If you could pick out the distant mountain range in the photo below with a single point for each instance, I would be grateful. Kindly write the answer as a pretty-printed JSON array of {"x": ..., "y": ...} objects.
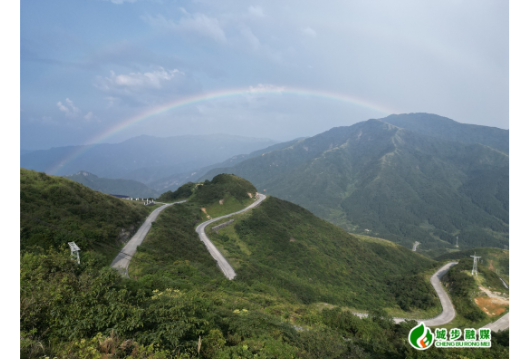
[
  {"x": 113, "y": 186},
  {"x": 172, "y": 182},
  {"x": 24, "y": 151},
  {"x": 144, "y": 158},
  {"x": 412, "y": 177}
]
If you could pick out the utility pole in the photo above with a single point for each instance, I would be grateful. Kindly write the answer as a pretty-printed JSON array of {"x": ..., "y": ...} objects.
[{"x": 475, "y": 266}]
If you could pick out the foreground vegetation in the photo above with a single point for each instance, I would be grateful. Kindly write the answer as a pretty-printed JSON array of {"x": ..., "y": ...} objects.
[
  {"x": 87, "y": 311},
  {"x": 177, "y": 304}
]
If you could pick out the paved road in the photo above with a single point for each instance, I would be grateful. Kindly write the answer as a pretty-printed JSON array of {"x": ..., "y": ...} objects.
[
  {"x": 122, "y": 260},
  {"x": 500, "y": 324},
  {"x": 223, "y": 264},
  {"x": 504, "y": 284},
  {"x": 448, "y": 313}
]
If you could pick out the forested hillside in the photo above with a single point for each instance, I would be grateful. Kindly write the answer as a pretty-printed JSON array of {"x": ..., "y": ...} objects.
[
  {"x": 374, "y": 177},
  {"x": 285, "y": 247},
  {"x": 56, "y": 210}
]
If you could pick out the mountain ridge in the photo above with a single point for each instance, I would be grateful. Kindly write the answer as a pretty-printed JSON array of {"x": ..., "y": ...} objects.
[
  {"x": 377, "y": 176},
  {"x": 125, "y": 187}
]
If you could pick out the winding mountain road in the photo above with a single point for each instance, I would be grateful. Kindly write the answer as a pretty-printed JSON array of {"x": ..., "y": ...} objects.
[
  {"x": 500, "y": 324},
  {"x": 223, "y": 264},
  {"x": 122, "y": 260},
  {"x": 448, "y": 314}
]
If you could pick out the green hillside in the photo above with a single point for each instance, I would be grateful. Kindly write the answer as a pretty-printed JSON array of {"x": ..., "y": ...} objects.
[
  {"x": 178, "y": 305},
  {"x": 473, "y": 306},
  {"x": 224, "y": 194},
  {"x": 183, "y": 192},
  {"x": 55, "y": 211},
  {"x": 122, "y": 187},
  {"x": 285, "y": 251},
  {"x": 396, "y": 183},
  {"x": 494, "y": 259},
  {"x": 284, "y": 246}
]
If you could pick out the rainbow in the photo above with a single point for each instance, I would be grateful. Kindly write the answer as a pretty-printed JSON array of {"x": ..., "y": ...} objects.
[{"x": 222, "y": 94}]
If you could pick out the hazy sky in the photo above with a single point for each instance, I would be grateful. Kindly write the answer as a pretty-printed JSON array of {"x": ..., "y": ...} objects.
[{"x": 286, "y": 68}]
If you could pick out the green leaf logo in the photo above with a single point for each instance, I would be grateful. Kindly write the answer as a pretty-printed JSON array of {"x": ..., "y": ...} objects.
[{"x": 421, "y": 337}]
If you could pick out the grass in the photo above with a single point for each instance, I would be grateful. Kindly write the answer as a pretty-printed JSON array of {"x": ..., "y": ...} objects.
[
  {"x": 56, "y": 210},
  {"x": 229, "y": 250},
  {"x": 230, "y": 205},
  {"x": 286, "y": 247}
]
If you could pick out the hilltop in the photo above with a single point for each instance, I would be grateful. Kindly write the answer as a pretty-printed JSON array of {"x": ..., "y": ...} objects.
[
  {"x": 56, "y": 210},
  {"x": 282, "y": 249},
  {"x": 400, "y": 184}
]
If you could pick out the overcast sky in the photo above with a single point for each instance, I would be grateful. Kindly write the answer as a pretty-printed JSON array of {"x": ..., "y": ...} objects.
[{"x": 88, "y": 66}]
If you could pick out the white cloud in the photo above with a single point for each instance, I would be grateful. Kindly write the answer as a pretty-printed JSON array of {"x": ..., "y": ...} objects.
[
  {"x": 309, "y": 31},
  {"x": 69, "y": 109},
  {"x": 256, "y": 11},
  {"x": 141, "y": 88},
  {"x": 137, "y": 81},
  {"x": 89, "y": 116},
  {"x": 265, "y": 88},
  {"x": 197, "y": 23}
]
